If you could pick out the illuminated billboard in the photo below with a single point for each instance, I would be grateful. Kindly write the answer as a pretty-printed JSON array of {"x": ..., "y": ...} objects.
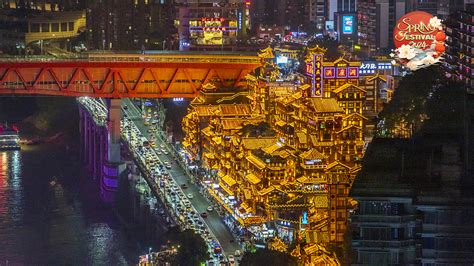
[
  {"x": 347, "y": 24},
  {"x": 282, "y": 60},
  {"x": 372, "y": 67}
]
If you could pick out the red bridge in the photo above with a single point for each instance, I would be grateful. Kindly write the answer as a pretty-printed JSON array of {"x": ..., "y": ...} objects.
[{"x": 125, "y": 75}]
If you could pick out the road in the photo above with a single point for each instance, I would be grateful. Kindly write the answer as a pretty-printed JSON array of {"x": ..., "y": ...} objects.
[{"x": 199, "y": 202}]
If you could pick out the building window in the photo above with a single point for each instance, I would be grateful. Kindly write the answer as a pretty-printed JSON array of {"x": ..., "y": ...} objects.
[
  {"x": 35, "y": 27},
  {"x": 64, "y": 26},
  {"x": 428, "y": 242},
  {"x": 71, "y": 26},
  {"x": 55, "y": 27},
  {"x": 44, "y": 27}
]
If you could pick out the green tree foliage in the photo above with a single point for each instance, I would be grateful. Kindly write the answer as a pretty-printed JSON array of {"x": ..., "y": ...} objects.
[
  {"x": 408, "y": 102},
  {"x": 192, "y": 249},
  {"x": 426, "y": 100},
  {"x": 267, "y": 257}
]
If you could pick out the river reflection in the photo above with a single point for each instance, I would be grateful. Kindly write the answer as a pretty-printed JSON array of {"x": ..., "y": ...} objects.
[{"x": 60, "y": 224}]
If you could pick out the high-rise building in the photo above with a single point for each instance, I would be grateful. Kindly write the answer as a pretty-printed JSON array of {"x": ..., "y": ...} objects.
[
  {"x": 290, "y": 14},
  {"x": 127, "y": 25},
  {"x": 43, "y": 5},
  {"x": 317, "y": 13},
  {"x": 460, "y": 45},
  {"x": 448, "y": 7},
  {"x": 212, "y": 24},
  {"x": 322, "y": 13},
  {"x": 429, "y": 6},
  {"x": 413, "y": 207},
  {"x": 377, "y": 18}
]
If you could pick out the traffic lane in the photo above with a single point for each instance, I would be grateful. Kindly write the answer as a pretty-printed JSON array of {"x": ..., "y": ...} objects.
[
  {"x": 200, "y": 204},
  {"x": 214, "y": 221}
]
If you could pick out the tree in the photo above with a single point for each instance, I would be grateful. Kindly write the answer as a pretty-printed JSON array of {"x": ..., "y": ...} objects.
[
  {"x": 408, "y": 104},
  {"x": 267, "y": 257},
  {"x": 192, "y": 249}
]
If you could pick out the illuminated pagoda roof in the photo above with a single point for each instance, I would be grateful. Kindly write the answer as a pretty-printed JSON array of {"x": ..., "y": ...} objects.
[
  {"x": 348, "y": 85},
  {"x": 354, "y": 114},
  {"x": 314, "y": 50},
  {"x": 257, "y": 143},
  {"x": 312, "y": 154},
  {"x": 266, "y": 53},
  {"x": 343, "y": 61},
  {"x": 209, "y": 87},
  {"x": 325, "y": 105},
  {"x": 376, "y": 76}
]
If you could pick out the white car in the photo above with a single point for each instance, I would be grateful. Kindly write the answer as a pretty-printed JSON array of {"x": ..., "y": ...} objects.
[
  {"x": 190, "y": 196},
  {"x": 210, "y": 209},
  {"x": 231, "y": 259}
]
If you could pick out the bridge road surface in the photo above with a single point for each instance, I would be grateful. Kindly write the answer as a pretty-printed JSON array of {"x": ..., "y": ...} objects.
[{"x": 213, "y": 221}]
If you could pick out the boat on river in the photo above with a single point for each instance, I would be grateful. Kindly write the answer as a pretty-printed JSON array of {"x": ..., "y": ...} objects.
[{"x": 9, "y": 137}]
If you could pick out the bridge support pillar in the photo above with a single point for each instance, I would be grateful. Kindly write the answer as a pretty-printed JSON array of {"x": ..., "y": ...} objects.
[
  {"x": 81, "y": 133},
  {"x": 90, "y": 144},
  {"x": 85, "y": 136},
  {"x": 112, "y": 167}
]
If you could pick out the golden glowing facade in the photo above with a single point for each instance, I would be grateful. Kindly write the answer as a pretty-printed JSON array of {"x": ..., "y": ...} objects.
[{"x": 283, "y": 158}]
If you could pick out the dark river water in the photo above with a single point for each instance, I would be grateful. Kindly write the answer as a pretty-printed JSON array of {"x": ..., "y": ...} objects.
[{"x": 64, "y": 224}]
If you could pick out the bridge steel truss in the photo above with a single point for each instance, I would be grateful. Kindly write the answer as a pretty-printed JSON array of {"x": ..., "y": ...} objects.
[{"x": 119, "y": 79}]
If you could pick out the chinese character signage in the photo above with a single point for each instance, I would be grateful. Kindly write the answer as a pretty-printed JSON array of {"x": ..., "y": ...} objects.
[
  {"x": 341, "y": 72},
  {"x": 329, "y": 72},
  {"x": 317, "y": 89},
  {"x": 372, "y": 67},
  {"x": 309, "y": 69},
  {"x": 353, "y": 72},
  {"x": 347, "y": 24}
]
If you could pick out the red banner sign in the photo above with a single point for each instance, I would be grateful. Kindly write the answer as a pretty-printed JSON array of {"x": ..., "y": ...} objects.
[{"x": 414, "y": 29}]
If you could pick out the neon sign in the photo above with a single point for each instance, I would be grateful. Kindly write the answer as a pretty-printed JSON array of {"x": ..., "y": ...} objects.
[
  {"x": 329, "y": 72},
  {"x": 372, "y": 67},
  {"x": 317, "y": 88}
]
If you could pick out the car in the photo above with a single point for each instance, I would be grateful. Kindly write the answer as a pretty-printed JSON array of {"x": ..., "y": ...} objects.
[
  {"x": 238, "y": 253},
  {"x": 168, "y": 166},
  {"x": 210, "y": 209},
  {"x": 125, "y": 107},
  {"x": 204, "y": 214},
  {"x": 231, "y": 259},
  {"x": 184, "y": 186}
]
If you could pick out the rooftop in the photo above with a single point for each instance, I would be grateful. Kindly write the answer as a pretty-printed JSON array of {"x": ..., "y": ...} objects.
[{"x": 325, "y": 105}]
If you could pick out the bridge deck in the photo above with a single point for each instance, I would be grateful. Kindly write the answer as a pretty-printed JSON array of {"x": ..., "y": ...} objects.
[{"x": 124, "y": 75}]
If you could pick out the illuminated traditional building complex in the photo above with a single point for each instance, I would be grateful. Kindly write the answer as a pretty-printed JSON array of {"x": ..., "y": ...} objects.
[{"x": 279, "y": 161}]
